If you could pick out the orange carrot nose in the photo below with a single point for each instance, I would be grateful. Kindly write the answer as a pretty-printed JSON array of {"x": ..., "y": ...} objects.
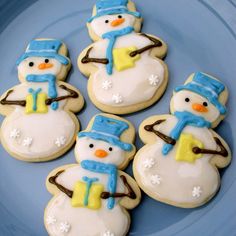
[
  {"x": 199, "y": 107},
  {"x": 44, "y": 66},
  {"x": 117, "y": 22},
  {"x": 100, "y": 153}
]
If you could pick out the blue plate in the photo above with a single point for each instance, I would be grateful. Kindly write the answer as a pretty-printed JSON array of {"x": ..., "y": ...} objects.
[{"x": 200, "y": 36}]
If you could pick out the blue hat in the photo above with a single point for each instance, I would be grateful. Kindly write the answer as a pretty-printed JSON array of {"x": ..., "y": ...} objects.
[
  {"x": 44, "y": 48},
  {"x": 108, "y": 130},
  {"x": 207, "y": 87},
  {"x": 111, "y": 7}
]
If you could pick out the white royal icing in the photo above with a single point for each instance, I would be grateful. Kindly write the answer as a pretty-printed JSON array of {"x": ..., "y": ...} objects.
[
  {"x": 50, "y": 220},
  {"x": 34, "y": 135},
  {"x": 197, "y": 191},
  {"x": 15, "y": 133},
  {"x": 106, "y": 84},
  {"x": 24, "y": 69},
  {"x": 64, "y": 227},
  {"x": 117, "y": 98},
  {"x": 108, "y": 233},
  {"x": 148, "y": 163},
  {"x": 27, "y": 142},
  {"x": 82, "y": 219},
  {"x": 179, "y": 104},
  {"x": 61, "y": 141},
  {"x": 179, "y": 177},
  {"x": 153, "y": 80},
  {"x": 133, "y": 83},
  {"x": 155, "y": 179}
]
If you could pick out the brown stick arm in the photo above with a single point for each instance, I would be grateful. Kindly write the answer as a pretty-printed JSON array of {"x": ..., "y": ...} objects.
[
  {"x": 86, "y": 59},
  {"x": 53, "y": 180},
  {"x": 223, "y": 151},
  {"x": 72, "y": 94},
  {"x": 165, "y": 138},
  {"x": 131, "y": 194},
  {"x": 4, "y": 101},
  {"x": 156, "y": 43}
]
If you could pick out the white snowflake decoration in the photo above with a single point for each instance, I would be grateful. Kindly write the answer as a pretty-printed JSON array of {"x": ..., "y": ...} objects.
[
  {"x": 64, "y": 227},
  {"x": 149, "y": 163},
  {"x": 15, "y": 133},
  {"x": 108, "y": 233},
  {"x": 106, "y": 84},
  {"x": 27, "y": 142},
  {"x": 117, "y": 98},
  {"x": 153, "y": 80},
  {"x": 60, "y": 141},
  {"x": 155, "y": 179},
  {"x": 197, "y": 192},
  {"x": 51, "y": 220}
]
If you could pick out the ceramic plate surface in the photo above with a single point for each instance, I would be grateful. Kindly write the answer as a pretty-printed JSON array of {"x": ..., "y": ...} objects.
[{"x": 199, "y": 39}]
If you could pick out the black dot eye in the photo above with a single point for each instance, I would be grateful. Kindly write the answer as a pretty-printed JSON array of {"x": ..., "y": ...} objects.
[
  {"x": 106, "y": 21},
  {"x": 46, "y": 60},
  {"x": 31, "y": 64},
  {"x": 110, "y": 149},
  {"x": 91, "y": 145},
  {"x": 187, "y": 99},
  {"x": 205, "y": 104},
  {"x": 120, "y": 16}
]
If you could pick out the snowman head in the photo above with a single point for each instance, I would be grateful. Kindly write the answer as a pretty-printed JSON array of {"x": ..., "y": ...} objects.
[
  {"x": 113, "y": 15},
  {"x": 44, "y": 56},
  {"x": 203, "y": 96},
  {"x": 105, "y": 141}
]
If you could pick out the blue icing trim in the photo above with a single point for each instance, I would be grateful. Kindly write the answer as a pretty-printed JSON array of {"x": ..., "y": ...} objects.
[
  {"x": 35, "y": 96},
  {"x": 102, "y": 168},
  {"x": 206, "y": 87},
  {"x": 89, "y": 182},
  {"x": 108, "y": 7},
  {"x": 184, "y": 119},
  {"x": 44, "y": 48},
  {"x": 112, "y": 37},
  {"x": 108, "y": 130},
  {"x": 52, "y": 90}
]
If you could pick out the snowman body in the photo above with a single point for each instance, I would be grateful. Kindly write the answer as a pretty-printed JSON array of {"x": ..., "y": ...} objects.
[
  {"x": 180, "y": 181},
  {"x": 37, "y": 134},
  {"x": 82, "y": 220},
  {"x": 137, "y": 81}
]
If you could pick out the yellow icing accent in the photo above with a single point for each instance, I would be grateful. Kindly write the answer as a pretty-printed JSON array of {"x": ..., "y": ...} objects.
[
  {"x": 122, "y": 59},
  {"x": 41, "y": 105},
  {"x": 94, "y": 199},
  {"x": 185, "y": 146}
]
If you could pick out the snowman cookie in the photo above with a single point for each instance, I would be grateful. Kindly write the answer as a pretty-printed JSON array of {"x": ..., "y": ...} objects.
[
  {"x": 178, "y": 165},
  {"x": 91, "y": 198},
  {"x": 124, "y": 67},
  {"x": 40, "y": 124}
]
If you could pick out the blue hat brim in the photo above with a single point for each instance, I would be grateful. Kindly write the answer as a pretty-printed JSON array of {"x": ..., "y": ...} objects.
[
  {"x": 114, "y": 12},
  {"x": 109, "y": 139},
  {"x": 56, "y": 56},
  {"x": 222, "y": 109}
]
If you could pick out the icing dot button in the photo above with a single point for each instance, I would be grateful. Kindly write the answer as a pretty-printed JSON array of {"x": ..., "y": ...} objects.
[
  {"x": 153, "y": 80},
  {"x": 15, "y": 133},
  {"x": 117, "y": 98},
  {"x": 197, "y": 191},
  {"x": 51, "y": 220},
  {"x": 106, "y": 84},
  {"x": 149, "y": 163},
  {"x": 60, "y": 141},
  {"x": 155, "y": 179},
  {"x": 27, "y": 142},
  {"x": 64, "y": 227},
  {"x": 108, "y": 233}
]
